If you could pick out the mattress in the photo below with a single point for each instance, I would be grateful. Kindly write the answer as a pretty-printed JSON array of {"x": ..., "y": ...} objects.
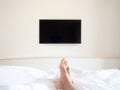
[{"x": 27, "y": 78}]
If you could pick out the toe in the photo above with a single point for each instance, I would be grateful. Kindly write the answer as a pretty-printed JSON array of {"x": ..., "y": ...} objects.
[{"x": 68, "y": 70}]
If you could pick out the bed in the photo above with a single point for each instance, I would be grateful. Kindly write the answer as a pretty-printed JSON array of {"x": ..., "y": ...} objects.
[{"x": 28, "y": 78}]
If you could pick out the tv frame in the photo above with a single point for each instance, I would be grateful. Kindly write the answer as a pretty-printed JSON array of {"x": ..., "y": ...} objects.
[{"x": 63, "y": 43}]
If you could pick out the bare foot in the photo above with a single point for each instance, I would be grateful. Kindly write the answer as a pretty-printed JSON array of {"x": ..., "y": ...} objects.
[{"x": 65, "y": 81}]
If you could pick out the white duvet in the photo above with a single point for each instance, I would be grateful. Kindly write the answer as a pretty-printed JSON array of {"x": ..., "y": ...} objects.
[{"x": 26, "y": 78}]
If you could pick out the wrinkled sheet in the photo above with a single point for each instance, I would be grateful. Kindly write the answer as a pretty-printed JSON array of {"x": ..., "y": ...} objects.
[
  {"x": 97, "y": 80},
  {"x": 27, "y": 78}
]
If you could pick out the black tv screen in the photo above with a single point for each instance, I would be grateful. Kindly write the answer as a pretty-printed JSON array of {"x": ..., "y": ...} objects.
[{"x": 53, "y": 31}]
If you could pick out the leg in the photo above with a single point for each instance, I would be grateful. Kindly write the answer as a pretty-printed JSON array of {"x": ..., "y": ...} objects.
[{"x": 65, "y": 81}]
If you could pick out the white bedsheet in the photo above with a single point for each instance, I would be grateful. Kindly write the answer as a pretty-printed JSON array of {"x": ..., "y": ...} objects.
[
  {"x": 97, "y": 80},
  {"x": 26, "y": 78}
]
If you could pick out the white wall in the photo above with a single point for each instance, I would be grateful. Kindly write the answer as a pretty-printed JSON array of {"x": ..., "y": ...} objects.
[{"x": 19, "y": 27}]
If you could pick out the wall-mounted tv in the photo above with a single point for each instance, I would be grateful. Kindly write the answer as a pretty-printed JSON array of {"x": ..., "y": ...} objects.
[{"x": 59, "y": 31}]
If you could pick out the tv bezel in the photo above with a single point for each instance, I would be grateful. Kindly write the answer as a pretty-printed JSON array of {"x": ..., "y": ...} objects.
[{"x": 61, "y": 20}]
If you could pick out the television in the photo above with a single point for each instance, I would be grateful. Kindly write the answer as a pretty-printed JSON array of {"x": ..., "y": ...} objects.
[{"x": 59, "y": 31}]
